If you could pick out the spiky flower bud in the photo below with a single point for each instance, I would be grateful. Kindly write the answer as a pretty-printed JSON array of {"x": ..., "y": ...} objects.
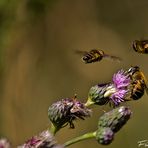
[
  {"x": 112, "y": 121},
  {"x": 115, "y": 118},
  {"x": 4, "y": 143},
  {"x": 66, "y": 111},
  {"x": 105, "y": 135},
  {"x": 96, "y": 94},
  {"x": 43, "y": 140}
]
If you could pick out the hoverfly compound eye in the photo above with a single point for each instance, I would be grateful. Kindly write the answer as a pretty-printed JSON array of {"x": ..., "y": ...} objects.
[
  {"x": 133, "y": 69},
  {"x": 136, "y": 68}
]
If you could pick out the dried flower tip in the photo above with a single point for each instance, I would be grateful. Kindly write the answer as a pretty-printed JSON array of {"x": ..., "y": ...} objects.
[
  {"x": 66, "y": 111},
  {"x": 43, "y": 140},
  {"x": 115, "y": 118},
  {"x": 104, "y": 135},
  {"x": 4, "y": 143},
  {"x": 96, "y": 94}
]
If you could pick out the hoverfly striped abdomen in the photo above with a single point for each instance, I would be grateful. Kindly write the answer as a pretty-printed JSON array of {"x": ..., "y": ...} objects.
[
  {"x": 139, "y": 83},
  {"x": 93, "y": 56},
  {"x": 140, "y": 46},
  {"x": 138, "y": 90}
]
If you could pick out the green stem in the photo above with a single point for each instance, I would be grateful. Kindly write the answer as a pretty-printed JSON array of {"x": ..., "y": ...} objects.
[
  {"x": 80, "y": 138},
  {"x": 53, "y": 129},
  {"x": 89, "y": 103}
]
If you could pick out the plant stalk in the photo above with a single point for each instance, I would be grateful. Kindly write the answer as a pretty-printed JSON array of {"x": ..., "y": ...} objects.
[{"x": 80, "y": 138}]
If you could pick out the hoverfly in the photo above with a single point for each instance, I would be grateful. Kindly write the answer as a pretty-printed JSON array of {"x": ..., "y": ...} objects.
[
  {"x": 95, "y": 55},
  {"x": 139, "y": 83},
  {"x": 140, "y": 46}
]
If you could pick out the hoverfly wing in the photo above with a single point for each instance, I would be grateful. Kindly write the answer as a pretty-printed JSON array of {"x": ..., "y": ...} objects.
[
  {"x": 145, "y": 82},
  {"x": 81, "y": 52},
  {"x": 114, "y": 58},
  {"x": 146, "y": 89}
]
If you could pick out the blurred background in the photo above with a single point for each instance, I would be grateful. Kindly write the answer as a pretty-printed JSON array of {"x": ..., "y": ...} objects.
[{"x": 38, "y": 64}]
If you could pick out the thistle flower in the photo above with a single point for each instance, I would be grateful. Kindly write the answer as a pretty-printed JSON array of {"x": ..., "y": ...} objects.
[
  {"x": 111, "y": 122},
  {"x": 114, "y": 92},
  {"x": 4, "y": 143},
  {"x": 121, "y": 83},
  {"x": 66, "y": 111},
  {"x": 43, "y": 140},
  {"x": 121, "y": 79}
]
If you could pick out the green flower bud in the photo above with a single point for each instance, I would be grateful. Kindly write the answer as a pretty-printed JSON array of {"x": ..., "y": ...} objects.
[
  {"x": 104, "y": 135},
  {"x": 96, "y": 94},
  {"x": 115, "y": 118},
  {"x": 110, "y": 123}
]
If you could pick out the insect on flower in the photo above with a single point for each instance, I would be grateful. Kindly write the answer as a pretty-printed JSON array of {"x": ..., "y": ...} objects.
[
  {"x": 140, "y": 46},
  {"x": 67, "y": 110},
  {"x": 139, "y": 82},
  {"x": 95, "y": 55}
]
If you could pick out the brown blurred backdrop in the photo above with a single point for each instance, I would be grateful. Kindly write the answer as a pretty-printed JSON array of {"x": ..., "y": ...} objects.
[{"x": 38, "y": 64}]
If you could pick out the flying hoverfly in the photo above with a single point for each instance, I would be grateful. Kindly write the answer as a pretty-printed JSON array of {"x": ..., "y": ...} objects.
[
  {"x": 95, "y": 55},
  {"x": 139, "y": 83},
  {"x": 140, "y": 46}
]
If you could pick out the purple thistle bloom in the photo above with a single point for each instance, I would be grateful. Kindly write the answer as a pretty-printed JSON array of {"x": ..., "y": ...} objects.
[
  {"x": 121, "y": 79},
  {"x": 118, "y": 90},
  {"x": 121, "y": 82}
]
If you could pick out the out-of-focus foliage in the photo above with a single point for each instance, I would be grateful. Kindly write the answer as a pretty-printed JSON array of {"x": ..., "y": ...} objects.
[
  {"x": 38, "y": 6},
  {"x": 38, "y": 39}
]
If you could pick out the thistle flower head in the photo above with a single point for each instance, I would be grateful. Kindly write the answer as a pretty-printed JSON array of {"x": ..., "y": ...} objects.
[
  {"x": 110, "y": 123},
  {"x": 66, "y": 111},
  {"x": 115, "y": 91},
  {"x": 43, "y": 140},
  {"x": 121, "y": 79},
  {"x": 121, "y": 84}
]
